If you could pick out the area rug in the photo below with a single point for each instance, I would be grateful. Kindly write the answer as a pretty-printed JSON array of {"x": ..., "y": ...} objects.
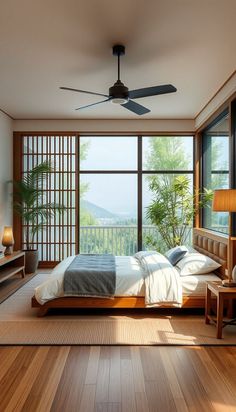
[{"x": 19, "y": 325}]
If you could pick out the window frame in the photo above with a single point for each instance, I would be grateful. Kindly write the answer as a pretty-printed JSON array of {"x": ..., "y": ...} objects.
[
  {"x": 18, "y": 168},
  {"x": 203, "y": 167},
  {"x": 140, "y": 172}
]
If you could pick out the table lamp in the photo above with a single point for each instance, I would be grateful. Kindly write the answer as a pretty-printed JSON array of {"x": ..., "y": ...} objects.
[
  {"x": 224, "y": 200},
  {"x": 8, "y": 240}
]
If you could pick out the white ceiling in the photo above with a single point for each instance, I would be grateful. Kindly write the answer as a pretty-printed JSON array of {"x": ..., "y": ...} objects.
[{"x": 45, "y": 44}]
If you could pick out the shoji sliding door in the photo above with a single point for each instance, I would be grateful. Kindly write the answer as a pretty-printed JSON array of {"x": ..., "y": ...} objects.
[{"x": 57, "y": 240}]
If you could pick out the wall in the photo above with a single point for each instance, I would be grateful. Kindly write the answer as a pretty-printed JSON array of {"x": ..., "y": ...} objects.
[
  {"x": 105, "y": 126},
  {"x": 223, "y": 94},
  {"x": 6, "y": 172}
]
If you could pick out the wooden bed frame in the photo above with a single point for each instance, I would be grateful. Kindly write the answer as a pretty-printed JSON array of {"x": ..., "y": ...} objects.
[{"x": 204, "y": 241}]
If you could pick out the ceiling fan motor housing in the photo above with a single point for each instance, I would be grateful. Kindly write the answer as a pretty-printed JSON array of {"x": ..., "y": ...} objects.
[{"x": 119, "y": 93}]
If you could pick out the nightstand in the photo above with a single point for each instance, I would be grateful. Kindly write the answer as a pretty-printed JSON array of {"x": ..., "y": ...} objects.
[{"x": 222, "y": 293}]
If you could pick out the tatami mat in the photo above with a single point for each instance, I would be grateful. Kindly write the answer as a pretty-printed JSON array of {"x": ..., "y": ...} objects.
[{"x": 19, "y": 324}]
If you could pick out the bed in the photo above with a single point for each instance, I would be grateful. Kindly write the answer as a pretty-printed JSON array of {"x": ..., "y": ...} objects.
[{"x": 130, "y": 290}]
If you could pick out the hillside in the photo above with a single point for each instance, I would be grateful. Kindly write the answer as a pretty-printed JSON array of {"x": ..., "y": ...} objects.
[{"x": 97, "y": 211}]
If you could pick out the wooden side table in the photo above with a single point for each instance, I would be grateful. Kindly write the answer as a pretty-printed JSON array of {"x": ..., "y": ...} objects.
[{"x": 222, "y": 293}]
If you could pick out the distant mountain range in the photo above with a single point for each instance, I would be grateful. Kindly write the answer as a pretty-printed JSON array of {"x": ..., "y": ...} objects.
[{"x": 97, "y": 211}]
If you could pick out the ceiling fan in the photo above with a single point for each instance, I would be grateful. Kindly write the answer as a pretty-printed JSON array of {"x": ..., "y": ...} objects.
[{"x": 120, "y": 94}]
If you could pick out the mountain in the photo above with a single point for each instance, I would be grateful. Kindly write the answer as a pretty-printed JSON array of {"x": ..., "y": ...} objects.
[{"x": 97, "y": 211}]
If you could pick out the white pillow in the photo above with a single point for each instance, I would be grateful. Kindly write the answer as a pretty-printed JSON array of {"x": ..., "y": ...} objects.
[
  {"x": 196, "y": 264},
  {"x": 146, "y": 258},
  {"x": 144, "y": 253}
]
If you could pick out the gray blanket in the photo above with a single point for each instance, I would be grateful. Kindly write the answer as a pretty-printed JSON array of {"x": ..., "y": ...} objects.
[{"x": 91, "y": 276}]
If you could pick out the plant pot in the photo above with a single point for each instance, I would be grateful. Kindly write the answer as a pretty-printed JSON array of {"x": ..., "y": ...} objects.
[{"x": 31, "y": 261}]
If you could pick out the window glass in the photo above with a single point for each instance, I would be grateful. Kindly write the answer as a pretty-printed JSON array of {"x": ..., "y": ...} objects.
[
  {"x": 151, "y": 235},
  {"x": 216, "y": 169},
  {"x": 106, "y": 187},
  {"x": 108, "y": 153},
  {"x": 108, "y": 213},
  {"x": 168, "y": 153}
]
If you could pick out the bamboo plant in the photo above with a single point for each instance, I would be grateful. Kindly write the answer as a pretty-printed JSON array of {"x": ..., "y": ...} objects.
[{"x": 173, "y": 208}]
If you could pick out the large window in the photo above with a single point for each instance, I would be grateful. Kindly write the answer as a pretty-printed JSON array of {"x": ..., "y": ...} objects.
[
  {"x": 164, "y": 158},
  {"x": 115, "y": 174},
  {"x": 215, "y": 171},
  {"x": 108, "y": 194},
  {"x": 104, "y": 184}
]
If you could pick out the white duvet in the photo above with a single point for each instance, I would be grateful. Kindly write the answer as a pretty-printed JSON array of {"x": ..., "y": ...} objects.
[
  {"x": 159, "y": 283},
  {"x": 129, "y": 279},
  {"x": 162, "y": 281}
]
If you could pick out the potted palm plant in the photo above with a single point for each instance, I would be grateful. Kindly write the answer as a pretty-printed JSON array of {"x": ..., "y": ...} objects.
[{"x": 32, "y": 206}]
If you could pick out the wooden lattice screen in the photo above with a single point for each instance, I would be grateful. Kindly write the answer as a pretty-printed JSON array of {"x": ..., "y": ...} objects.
[{"x": 59, "y": 238}]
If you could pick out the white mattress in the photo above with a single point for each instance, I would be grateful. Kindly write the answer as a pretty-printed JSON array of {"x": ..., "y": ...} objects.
[
  {"x": 129, "y": 280},
  {"x": 195, "y": 285}
]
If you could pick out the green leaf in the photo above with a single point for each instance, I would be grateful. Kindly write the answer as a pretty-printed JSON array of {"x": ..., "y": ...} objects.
[{"x": 29, "y": 199}]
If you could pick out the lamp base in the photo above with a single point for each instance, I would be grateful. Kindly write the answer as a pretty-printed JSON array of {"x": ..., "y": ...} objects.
[
  {"x": 228, "y": 284},
  {"x": 8, "y": 251}
]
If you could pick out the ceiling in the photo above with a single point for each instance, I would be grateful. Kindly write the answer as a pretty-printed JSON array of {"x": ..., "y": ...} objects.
[{"x": 45, "y": 44}]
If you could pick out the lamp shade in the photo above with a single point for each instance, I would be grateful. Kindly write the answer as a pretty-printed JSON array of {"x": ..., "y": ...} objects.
[
  {"x": 224, "y": 200},
  {"x": 7, "y": 239}
]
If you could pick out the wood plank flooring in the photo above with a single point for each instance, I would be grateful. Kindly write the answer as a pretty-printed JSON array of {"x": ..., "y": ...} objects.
[{"x": 115, "y": 379}]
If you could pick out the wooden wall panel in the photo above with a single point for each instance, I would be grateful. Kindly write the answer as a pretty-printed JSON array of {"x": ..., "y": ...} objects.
[{"x": 58, "y": 239}]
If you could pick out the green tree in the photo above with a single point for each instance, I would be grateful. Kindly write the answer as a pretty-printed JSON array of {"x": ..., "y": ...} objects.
[{"x": 166, "y": 153}]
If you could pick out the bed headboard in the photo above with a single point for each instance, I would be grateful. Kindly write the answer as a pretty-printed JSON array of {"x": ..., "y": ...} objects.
[{"x": 213, "y": 245}]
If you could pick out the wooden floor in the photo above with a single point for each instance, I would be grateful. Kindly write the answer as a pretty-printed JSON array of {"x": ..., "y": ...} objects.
[{"x": 113, "y": 379}]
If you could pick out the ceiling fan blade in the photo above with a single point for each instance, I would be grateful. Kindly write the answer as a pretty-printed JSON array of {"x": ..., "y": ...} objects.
[
  {"x": 152, "y": 91},
  {"x": 93, "y": 104},
  {"x": 136, "y": 108},
  {"x": 83, "y": 91}
]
